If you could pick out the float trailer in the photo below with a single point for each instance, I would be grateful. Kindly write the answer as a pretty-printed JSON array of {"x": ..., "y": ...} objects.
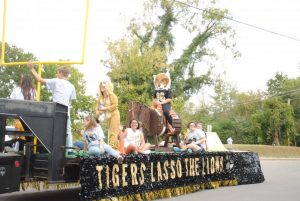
[{"x": 43, "y": 161}]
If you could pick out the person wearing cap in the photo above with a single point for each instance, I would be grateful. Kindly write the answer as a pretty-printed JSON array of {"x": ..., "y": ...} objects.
[{"x": 107, "y": 104}]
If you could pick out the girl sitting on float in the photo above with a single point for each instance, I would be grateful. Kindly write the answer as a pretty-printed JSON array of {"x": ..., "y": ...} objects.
[
  {"x": 132, "y": 140},
  {"x": 94, "y": 139},
  {"x": 196, "y": 140}
]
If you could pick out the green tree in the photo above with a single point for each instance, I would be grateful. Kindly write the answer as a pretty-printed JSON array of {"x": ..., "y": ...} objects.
[
  {"x": 191, "y": 112},
  {"x": 136, "y": 58},
  {"x": 277, "y": 122},
  {"x": 10, "y": 76},
  {"x": 132, "y": 72},
  {"x": 254, "y": 117},
  {"x": 236, "y": 124},
  {"x": 234, "y": 113},
  {"x": 276, "y": 85},
  {"x": 288, "y": 90},
  {"x": 205, "y": 27},
  {"x": 223, "y": 98}
]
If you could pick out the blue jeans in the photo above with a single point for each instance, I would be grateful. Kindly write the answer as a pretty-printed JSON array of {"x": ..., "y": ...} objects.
[
  {"x": 79, "y": 144},
  {"x": 95, "y": 150}
]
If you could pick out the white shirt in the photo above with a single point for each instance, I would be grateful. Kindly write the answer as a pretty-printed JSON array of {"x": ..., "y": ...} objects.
[
  {"x": 17, "y": 94},
  {"x": 93, "y": 136},
  {"x": 197, "y": 135},
  {"x": 132, "y": 138},
  {"x": 62, "y": 91}
]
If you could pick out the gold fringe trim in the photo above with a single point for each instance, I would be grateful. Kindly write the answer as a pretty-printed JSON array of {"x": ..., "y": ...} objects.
[
  {"x": 45, "y": 185},
  {"x": 158, "y": 194},
  {"x": 172, "y": 192}
]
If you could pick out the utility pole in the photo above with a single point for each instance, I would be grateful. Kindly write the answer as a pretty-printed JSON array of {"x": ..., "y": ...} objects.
[{"x": 289, "y": 103}]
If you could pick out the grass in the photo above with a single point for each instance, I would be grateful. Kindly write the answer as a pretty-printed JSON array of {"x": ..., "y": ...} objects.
[{"x": 268, "y": 151}]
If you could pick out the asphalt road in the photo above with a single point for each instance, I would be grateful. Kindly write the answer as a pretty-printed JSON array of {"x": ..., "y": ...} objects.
[{"x": 282, "y": 184}]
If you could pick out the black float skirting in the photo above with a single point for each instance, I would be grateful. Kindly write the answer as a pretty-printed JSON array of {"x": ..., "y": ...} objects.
[{"x": 152, "y": 176}]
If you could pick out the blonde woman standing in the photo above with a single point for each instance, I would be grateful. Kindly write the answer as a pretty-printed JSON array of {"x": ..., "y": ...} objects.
[{"x": 107, "y": 104}]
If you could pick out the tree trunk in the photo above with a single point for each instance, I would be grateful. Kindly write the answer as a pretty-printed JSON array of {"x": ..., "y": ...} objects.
[{"x": 276, "y": 138}]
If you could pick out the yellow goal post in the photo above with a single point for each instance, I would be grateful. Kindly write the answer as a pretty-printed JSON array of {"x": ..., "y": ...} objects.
[{"x": 40, "y": 63}]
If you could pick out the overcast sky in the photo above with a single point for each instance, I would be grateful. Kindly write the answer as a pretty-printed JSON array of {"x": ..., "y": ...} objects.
[
  {"x": 264, "y": 54},
  {"x": 53, "y": 29}
]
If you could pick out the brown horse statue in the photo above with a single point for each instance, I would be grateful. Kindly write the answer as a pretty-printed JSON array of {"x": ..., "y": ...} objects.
[{"x": 153, "y": 122}]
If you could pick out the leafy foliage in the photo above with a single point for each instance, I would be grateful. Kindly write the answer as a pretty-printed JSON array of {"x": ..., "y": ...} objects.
[
  {"x": 10, "y": 76},
  {"x": 132, "y": 72},
  {"x": 277, "y": 123},
  {"x": 287, "y": 90},
  {"x": 146, "y": 51},
  {"x": 254, "y": 118}
]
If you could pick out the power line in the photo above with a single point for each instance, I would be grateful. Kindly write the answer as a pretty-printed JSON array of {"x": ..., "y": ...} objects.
[
  {"x": 286, "y": 92},
  {"x": 269, "y": 97},
  {"x": 259, "y": 100},
  {"x": 243, "y": 23},
  {"x": 274, "y": 96},
  {"x": 256, "y": 27}
]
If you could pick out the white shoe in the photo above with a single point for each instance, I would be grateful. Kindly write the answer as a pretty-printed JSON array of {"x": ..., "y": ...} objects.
[{"x": 147, "y": 151}]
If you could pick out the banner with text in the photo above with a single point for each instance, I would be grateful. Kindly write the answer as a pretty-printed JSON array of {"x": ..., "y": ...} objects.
[{"x": 103, "y": 176}]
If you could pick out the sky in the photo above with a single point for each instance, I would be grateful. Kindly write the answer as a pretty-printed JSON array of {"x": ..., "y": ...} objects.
[
  {"x": 263, "y": 53},
  {"x": 53, "y": 30}
]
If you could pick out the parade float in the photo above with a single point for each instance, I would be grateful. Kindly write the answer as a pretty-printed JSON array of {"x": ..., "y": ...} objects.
[
  {"x": 43, "y": 164},
  {"x": 161, "y": 173},
  {"x": 143, "y": 176}
]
